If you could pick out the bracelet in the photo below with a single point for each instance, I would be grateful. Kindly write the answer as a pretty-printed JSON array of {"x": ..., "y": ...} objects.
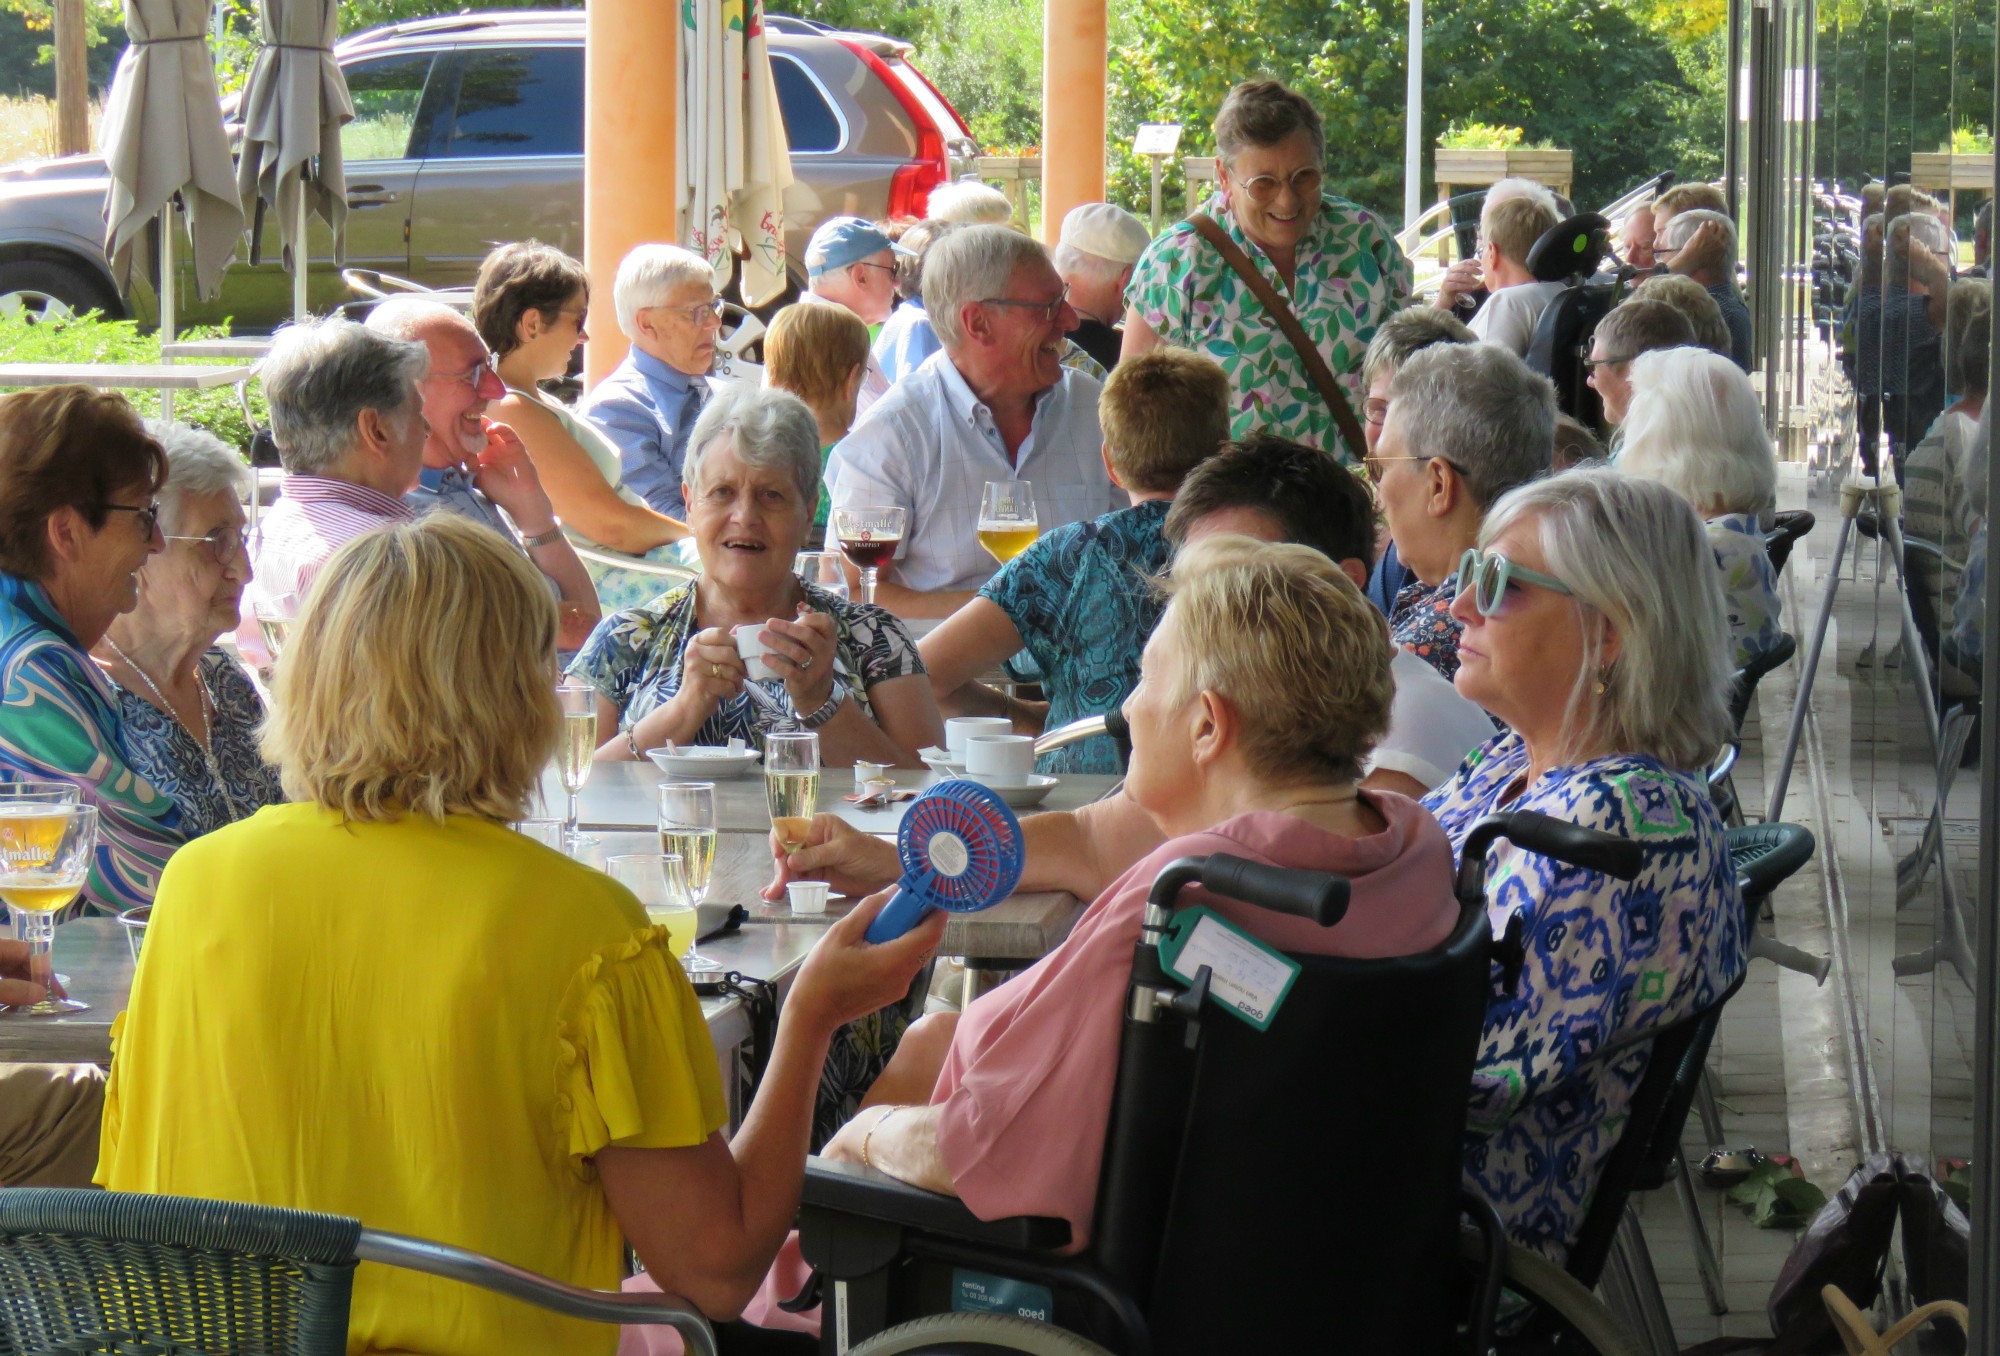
[
  {"x": 548, "y": 538},
  {"x": 826, "y": 711},
  {"x": 633, "y": 745},
  {"x": 870, "y": 1134}
]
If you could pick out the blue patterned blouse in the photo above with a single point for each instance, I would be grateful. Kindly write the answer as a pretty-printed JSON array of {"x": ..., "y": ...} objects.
[
  {"x": 1083, "y": 601},
  {"x": 1605, "y": 958},
  {"x": 167, "y": 756}
]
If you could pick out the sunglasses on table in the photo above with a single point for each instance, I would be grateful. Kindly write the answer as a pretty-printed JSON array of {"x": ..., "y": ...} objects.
[{"x": 1489, "y": 575}]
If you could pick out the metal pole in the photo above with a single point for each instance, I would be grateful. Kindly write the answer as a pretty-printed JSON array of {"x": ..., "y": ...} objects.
[
  {"x": 1159, "y": 208},
  {"x": 1732, "y": 104},
  {"x": 167, "y": 298},
  {"x": 1413, "y": 120},
  {"x": 301, "y": 258}
]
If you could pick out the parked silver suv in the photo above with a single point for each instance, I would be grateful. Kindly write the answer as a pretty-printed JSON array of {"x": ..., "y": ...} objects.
[{"x": 468, "y": 133}]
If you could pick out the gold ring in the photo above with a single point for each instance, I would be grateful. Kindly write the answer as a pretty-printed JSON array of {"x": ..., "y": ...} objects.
[{"x": 715, "y": 670}]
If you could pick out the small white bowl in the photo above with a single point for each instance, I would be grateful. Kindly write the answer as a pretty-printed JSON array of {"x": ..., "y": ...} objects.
[
  {"x": 704, "y": 762},
  {"x": 1022, "y": 797}
]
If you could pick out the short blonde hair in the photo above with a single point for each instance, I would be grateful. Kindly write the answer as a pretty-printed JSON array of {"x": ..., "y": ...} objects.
[
  {"x": 1164, "y": 413},
  {"x": 1281, "y": 634},
  {"x": 1686, "y": 197},
  {"x": 419, "y": 679},
  {"x": 1512, "y": 222},
  {"x": 812, "y": 350},
  {"x": 1692, "y": 300}
]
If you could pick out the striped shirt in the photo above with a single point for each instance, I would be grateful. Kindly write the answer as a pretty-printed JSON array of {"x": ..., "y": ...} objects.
[{"x": 313, "y": 518}]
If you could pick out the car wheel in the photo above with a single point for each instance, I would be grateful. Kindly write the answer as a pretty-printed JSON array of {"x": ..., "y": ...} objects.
[{"x": 47, "y": 289}]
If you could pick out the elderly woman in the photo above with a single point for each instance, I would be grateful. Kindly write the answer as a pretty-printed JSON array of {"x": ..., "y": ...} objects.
[
  {"x": 820, "y": 355},
  {"x": 1694, "y": 426},
  {"x": 1694, "y": 303},
  {"x": 531, "y": 1082},
  {"x": 529, "y": 304},
  {"x": 190, "y": 713},
  {"x": 1594, "y": 631},
  {"x": 1633, "y": 327},
  {"x": 670, "y": 670},
  {"x": 1336, "y": 263},
  {"x": 78, "y": 473},
  {"x": 1402, "y": 335}
]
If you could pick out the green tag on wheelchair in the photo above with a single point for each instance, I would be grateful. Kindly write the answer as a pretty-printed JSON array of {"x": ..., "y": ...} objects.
[
  {"x": 1246, "y": 976},
  {"x": 981, "y": 1292}
]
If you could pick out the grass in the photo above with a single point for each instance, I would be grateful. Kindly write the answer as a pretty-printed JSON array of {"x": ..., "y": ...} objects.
[{"x": 28, "y": 127}]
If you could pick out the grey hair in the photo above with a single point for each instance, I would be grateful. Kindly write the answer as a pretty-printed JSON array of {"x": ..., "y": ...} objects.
[
  {"x": 1264, "y": 113},
  {"x": 1634, "y": 554},
  {"x": 1481, "y": 409},
  {"x": 1070, "y": 261},
  {"x": 1640, "y": 325},
  {"x": 319, "y": 377},
  {"x": 198, "y": 463},
  {"x": 966, "y": 265},
  {"x": 766, "y": 428},
  {"x": 1694, "y": 426},
  {"x": 648, "y": 274},
  {"x": 969, "y": 202},
  {"x": 1408, "y": 332},
  {"x": 1682, "y": 226},
  {"x": 410, "y": 317}
]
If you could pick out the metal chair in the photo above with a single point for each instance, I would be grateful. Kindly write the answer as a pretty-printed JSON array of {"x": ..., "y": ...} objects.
[
  {"x": 1111, "y": 723},
  {"x": 104, "y": 1273},
  {"x": 1786, "y": 530},
  {"x": 618, "y": 560}
]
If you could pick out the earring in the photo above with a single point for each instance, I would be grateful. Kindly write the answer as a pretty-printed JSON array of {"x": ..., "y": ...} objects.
[{"x": 1603, "y": 677}]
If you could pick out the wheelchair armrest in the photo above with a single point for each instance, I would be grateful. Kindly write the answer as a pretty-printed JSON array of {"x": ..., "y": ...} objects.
[{"x": 850, "y": 1189}]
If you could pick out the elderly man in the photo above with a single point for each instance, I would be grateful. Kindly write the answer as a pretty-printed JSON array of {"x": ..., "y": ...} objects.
[
  {"x": 996, "y": 403},
  {"x": 1701, "y": 244},
  {"x": 1516, "y": 214},
  {"x": 666, "y": 304},
  {"x": 475, "y": 467},
  {"x": 1099, "y": 245},
  {"x": 851, "y": 263},
  {"x": 1635, "y": 242},
  {"x": 1633, "y": 327}
]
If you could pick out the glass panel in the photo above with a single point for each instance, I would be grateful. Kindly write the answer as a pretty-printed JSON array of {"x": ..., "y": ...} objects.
[
  {"x": 386, "y": 94},
  {"x": 520, "y": 103},
  {"x": 810, "y": 122}
]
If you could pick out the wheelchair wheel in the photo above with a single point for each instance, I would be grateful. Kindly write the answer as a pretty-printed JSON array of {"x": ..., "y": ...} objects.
[
  {"x": 976, "y": 1335},
  {"x": 1584, "y": 1326}
]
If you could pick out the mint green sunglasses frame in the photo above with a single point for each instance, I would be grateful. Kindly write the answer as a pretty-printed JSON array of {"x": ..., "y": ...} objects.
[{"x": 1487, "y": 574}]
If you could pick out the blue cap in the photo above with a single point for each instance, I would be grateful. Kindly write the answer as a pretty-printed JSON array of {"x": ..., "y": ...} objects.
[{"x": 841, "y": 241}]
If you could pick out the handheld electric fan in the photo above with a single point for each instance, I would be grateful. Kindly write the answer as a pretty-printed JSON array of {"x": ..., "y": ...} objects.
[{"x": 961, "y": 850}]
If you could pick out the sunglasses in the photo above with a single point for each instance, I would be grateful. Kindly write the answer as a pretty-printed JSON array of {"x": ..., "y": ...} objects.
[
  {"x": 148, "y": 515},
  {"x": 1489, "y": 575}
]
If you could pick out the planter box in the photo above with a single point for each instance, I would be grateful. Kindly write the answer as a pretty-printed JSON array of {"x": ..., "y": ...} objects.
[
  {"x": 1478, "y": 169},
  {"x": 1952, "y": 173}
]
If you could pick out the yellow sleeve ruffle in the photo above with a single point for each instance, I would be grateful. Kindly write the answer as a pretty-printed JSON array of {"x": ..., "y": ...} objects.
[{"x": 634, "y": 1065}]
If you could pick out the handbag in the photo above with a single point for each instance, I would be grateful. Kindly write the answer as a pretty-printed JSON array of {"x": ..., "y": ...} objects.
[{"x": 1267, "y": 296}]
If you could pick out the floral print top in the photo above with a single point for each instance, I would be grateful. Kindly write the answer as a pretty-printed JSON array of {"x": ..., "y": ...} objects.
[
  {"x": 1421, "y": 622},
  {"x": 165, "y": 754},
  {"x": 1351, "y": 277},
  {"x": 1749, "y": 585},
  {"x": 633, "y": 659}
]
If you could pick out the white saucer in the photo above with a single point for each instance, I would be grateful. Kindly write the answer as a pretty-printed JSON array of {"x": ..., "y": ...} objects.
[
  {"x": 941, "y": 762},
  {"x": 1022, "y": 797},
  {"x": 704, "y": 762}
]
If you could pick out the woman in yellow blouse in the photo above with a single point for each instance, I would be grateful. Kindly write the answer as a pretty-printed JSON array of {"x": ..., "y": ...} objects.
[{"x": 380, "y": 1001}]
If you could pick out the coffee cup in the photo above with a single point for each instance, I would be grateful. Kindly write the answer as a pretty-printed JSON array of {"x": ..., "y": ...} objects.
[
  {"x": 1002, "y": 760},
  {"x": 750, "y": 645},
  {"x": 961, "y": 728}
]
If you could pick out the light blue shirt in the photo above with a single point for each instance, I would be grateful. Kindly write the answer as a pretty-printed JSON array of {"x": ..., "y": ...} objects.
[
  {"x": 907, "y": 338},
  {"x": 447, "y": 489},
  {"x": 643, "y": 408},
  {"x": 930, "y": 445}
]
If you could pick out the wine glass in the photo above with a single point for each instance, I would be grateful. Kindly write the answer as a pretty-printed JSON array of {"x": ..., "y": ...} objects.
[
  {"x": 45, "y": 853},
  {"x": 791, "y": 784},
  {"x": 1007, "y": 524},
  {"x": 822, "y": 569},
  {"x": 579, "y": 746},
  {"x": 687, "y": 832},
  {"x": 869, "y": 536},
  {"x": 547, "y": 831},
  {"x": 655, "y": 879},
  {"x": 24, "y": 798}
]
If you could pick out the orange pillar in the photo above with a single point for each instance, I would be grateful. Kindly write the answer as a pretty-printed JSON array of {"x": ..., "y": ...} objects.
[
  {"x": 1074, "y": 55},
  {"x": 631, "y": 174}
]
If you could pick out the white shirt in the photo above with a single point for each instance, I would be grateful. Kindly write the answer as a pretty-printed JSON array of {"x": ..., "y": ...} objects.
[
  {"x": 930, "y": 445},
  {"x": 1431, "y": 726},
  {"x": 1510, "y": 315}
]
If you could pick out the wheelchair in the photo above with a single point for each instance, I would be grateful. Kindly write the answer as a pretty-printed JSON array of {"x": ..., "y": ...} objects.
[
  {"x": 1248, "y": 1176},
  {"x": 1571, "y": 252}
]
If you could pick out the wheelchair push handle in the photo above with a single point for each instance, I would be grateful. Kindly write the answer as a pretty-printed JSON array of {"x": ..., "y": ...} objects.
[
  {"x": 1620, "y": 858},
  {"x": 1313, "y": 895}
]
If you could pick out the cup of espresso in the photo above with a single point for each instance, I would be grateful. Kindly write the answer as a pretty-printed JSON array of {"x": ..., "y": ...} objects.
[
  {"x": 750, "y": 645},
  {"x": 961, "y": 728},
  {"x": 1002, "y": 760}
]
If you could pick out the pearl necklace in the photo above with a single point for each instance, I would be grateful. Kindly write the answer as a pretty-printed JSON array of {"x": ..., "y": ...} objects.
[{"x": 205, "y": 745}]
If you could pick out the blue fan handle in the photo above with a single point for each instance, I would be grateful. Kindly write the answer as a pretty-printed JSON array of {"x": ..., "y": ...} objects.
[{"x": 905, "y": 909}]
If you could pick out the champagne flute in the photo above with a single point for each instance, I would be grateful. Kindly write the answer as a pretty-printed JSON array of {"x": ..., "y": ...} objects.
[
  {"x": 1007, "y": 523},
  {"x": 687, "y": 831},
  {"x": 655, "y": 879},
  {"x": 791, "y": 784},
  {"x": 45, "y": 854},
  {"x": 822, "y": 569},
  {"x": 867, "y": 537},
  {"x": 579, "y": 746},
  {"x": 275, "y": 613}
]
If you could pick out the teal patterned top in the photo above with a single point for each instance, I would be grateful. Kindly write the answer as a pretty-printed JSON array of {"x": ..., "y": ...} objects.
[{"x": 1351, "y": 277}]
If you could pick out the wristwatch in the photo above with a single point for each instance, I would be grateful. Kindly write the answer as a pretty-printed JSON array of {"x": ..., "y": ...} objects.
[
  {"x": 827, "y": 709},
  {"x": 548, "y": 538}
]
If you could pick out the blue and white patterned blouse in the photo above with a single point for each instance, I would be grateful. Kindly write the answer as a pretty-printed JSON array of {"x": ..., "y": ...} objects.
[
  {"x": 1749, "y": 585},
  {"x": 633, "y": 659},
  {"x": 1605, "y": 959},
  {"x": 1083, "y": 600},
  {"x": 166, "y": 755}
]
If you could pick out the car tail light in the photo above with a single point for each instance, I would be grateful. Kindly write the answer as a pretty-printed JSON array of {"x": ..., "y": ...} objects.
[{"x": 910, "y": 187}]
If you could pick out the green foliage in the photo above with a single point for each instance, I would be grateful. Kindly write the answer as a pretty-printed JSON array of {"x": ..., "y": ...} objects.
[
  {"x": 1775, "y": 1199},
  {"x": 1968, "y": 141},
  {"x": 92, "y": 339},
  {"x": 1478, "y": 136}
]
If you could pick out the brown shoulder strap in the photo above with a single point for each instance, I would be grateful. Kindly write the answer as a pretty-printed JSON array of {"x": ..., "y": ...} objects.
[{"x": 1302, "y": 344}]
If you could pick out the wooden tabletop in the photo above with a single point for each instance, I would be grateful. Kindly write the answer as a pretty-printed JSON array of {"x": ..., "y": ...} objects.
[{"x": 122, "y": 376}]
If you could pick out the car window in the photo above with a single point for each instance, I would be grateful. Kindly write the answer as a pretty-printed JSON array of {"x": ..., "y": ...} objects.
[
  {"x": 519, "y": 103},
  {"x": 810, "y": 122},
  {"x": 387, "y": 93}
]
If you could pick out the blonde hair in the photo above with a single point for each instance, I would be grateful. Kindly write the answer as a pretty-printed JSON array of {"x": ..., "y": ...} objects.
[
  {"x": 1692, "y": 300},
  {"x": 1513, "y": 221},
  {"x": 1163, "y": 413},
  {"x": 1279, "y": 632},
  {"x": 419, "y": 679},
  {"x": 1688, "y": 197},
  {"x": 812, "y": 350}
]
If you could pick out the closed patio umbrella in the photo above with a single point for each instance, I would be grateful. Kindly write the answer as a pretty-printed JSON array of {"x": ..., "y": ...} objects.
[
  {"x": 735, "y": 163},
  {"x": 293, "y": 107},
  {"x": 163, "y": 135}
]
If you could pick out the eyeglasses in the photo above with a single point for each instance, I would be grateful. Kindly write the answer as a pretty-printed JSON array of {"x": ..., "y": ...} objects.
[
  {"x": 1489, "y": 575},
  {"x": 1374, "y": 412},
  {"x": 697, "y": 315},
  {"x": 886, "y": 268},
  {"x": 1263, "y": 190},
  {"x": 222, "y": 545},
  {"x": 477, "y": 372},
  {"x": 147, "y": 514},
  {"x": 1049, "y": 309},
  {"x": 1592, "y": 364}
]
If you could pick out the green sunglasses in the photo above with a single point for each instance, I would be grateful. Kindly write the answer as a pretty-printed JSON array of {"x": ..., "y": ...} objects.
[{"x": 1488, "y": 573}]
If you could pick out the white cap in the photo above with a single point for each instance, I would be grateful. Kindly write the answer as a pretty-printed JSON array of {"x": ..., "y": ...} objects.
[{"x": 1108, "y": 232}]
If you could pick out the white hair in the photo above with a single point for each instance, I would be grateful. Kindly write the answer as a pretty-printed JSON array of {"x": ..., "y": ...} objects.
[
  {"x": 1481, "y": 409},
  {"x": 319, "y": 377},
  {"x": 1681, "y": 228},
  {"x": 198, "y": 463},
  {"x": 1634, "y": 554},
  {"x": 1694, "y": 426},
  {"x": 1523, "y": 188},
  {"x": 1072, "y": 262},
  {"x": 648, "y": 274},
  {"x": 971, "y": 203},
  {"x": 766, "y": 428},
  {"x": 409, "y": 317},
  {"x": 968, "y": 265}
]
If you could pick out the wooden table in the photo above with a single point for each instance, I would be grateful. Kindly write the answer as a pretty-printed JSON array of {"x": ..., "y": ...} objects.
[{"x": 123, "y": 376}]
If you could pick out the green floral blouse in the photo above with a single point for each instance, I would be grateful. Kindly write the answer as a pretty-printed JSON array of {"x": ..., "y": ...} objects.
[{"x": 1351, "y": 277}]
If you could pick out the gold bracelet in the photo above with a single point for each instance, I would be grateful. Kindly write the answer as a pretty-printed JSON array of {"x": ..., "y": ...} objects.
[{"x": 870, "y": 1134}]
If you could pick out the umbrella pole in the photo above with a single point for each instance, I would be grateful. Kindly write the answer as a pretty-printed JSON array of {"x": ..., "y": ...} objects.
[
  {"x": 301, "y": 260},
  {"x": 167, "y": 293}
]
